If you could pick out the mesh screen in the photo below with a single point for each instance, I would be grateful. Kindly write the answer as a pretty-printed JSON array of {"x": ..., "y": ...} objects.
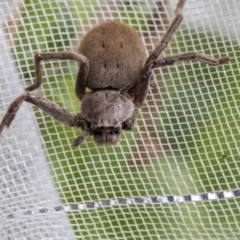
[{"x": 176, "y": 176}]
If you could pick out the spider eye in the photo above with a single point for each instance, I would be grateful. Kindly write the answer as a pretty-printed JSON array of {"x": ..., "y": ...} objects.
[{"x": 113, "y": 129}]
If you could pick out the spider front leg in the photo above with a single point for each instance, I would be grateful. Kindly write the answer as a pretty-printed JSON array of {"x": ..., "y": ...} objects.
[
  {"x": 53, "y": 109},
  {"x": 169, "y": 34},
  {"x": 153, "y": 61},
  {"x": 83, "y": 65},
  {"x": 60, "y": 114},
  {"x": 11, "y": 113},
  {"x": 142, "y": 84}
]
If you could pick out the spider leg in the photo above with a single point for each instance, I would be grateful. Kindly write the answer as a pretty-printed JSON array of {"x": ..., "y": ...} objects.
[
  {"x": 53, "y": 109},
  {"x": 142, "y": 84},
  {"x": 168, "y": 35},
  {"x": 11, "y": 113},
  {"x": 81, "y": 138},
  {"x": 60, "y": 114},
  {"x": 80, "y": 122},
  {"x": 180, "y": 6},
  {"x": 189, "y": 56},
  {"x": 83, "y": 65}
]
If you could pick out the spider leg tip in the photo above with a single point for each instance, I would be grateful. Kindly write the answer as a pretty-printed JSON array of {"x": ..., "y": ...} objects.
[
  {"x": 2, "y": 130},
  {"x": 225, "y": 60},
  {"x": 79, "y": 140}
]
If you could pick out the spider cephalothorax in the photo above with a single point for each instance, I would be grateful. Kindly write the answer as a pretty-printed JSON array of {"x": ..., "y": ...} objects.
[
  {"x": 113, "y": 64},
  {"x": 104, "y": 114}
]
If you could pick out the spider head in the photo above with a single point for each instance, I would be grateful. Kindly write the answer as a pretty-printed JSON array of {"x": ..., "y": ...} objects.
[{"x": 105, "y": 113}]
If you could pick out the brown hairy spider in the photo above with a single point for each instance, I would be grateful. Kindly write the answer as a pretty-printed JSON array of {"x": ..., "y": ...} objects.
[{"x": 112, "y": 64}]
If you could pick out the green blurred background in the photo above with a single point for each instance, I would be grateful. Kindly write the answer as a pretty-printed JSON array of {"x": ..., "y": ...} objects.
[{"x": 196, "y": 120}]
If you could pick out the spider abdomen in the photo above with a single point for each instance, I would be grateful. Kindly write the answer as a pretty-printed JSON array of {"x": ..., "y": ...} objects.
[{"x": 116, "y": 56}]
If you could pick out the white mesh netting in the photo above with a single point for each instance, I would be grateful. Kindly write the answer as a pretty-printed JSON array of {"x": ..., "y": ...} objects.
[{"x": 176, "y": 176}]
